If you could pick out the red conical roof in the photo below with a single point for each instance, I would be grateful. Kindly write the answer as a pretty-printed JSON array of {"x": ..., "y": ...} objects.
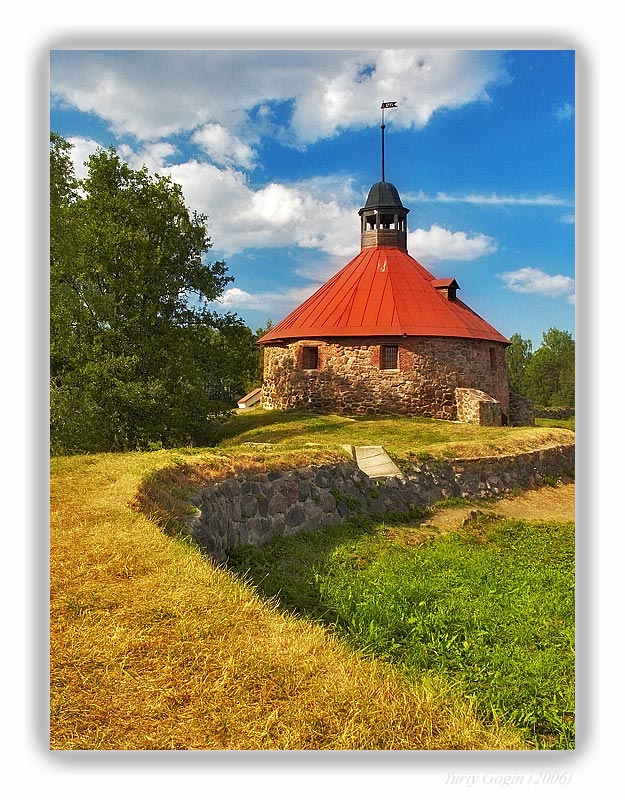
[{"x": 384, "y": 291}]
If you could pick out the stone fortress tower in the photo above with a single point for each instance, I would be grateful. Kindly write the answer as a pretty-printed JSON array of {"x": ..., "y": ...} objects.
[{"x": 385, "y": 336}]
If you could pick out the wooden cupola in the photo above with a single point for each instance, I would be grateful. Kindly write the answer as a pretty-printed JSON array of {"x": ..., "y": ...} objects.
[{"x": 383, "y": 218}]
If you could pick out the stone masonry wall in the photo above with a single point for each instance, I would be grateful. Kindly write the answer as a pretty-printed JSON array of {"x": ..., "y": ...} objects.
[
  {"x": 521, "y": 410},
  {"x": 254, "y": 508},
  {"x": 477, "y": 408},
  {"x": 554, "y": 413},
  {"x": 349, "y": 379}
]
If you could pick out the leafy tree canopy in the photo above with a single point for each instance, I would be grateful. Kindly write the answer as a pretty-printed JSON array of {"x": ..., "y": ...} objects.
[
  {"x": 547, "y": 376},
  {"x": 137, "y": 357}
]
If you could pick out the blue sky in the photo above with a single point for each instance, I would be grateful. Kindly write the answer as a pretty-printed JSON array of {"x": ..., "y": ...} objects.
[{"x": 279, "y": 148}]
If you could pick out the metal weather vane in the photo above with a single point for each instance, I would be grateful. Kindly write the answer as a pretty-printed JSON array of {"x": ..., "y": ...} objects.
[{"x": 384, "y": 106}]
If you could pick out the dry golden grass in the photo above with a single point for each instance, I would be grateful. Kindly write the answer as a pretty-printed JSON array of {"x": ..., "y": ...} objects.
[
  {"x": 501, "y": 442},
  {"x": 153, "y": 647}
]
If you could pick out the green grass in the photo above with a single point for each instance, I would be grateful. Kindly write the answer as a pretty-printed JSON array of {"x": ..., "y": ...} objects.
[
  {"x": 489, "y": 608},
  {"x": 401, "y": 436},
  {"x": 567, "y": 424}
]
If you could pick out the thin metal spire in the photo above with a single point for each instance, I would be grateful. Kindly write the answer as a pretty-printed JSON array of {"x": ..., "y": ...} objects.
[{"x": 384, "y": 106}]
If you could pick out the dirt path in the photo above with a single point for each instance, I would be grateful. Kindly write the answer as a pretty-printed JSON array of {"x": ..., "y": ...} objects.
[{"x": 546, "y": 503}]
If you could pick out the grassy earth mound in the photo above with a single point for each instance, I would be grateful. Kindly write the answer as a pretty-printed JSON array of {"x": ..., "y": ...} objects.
[{"x": 153, "y": 647}]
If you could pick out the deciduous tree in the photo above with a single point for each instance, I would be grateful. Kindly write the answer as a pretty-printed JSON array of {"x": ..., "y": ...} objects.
[
  {"x": 550, "y": 373},
  {"x": 518, "y": 355},
  {"x": 137, "y": 356}
]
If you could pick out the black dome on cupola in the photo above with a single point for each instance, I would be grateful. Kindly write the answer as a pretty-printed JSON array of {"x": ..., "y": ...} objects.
[{"x": 383, "y": 195}]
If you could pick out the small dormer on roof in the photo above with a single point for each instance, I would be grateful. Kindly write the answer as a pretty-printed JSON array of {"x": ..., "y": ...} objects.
[
  {"x": 383, "y": 218},
  {"x": 446, "y": 286}
]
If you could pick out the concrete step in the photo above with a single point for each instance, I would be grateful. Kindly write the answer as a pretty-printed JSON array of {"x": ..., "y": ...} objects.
[{"x": 375, "y": 462}]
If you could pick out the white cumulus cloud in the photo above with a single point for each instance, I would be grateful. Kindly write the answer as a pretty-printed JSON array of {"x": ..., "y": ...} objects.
[
  {"x": 238, "y": 298},
  {"x": 277, "y": 303},
  {"x": 81, "y": 150},
  {"x": 319, "y": 213},
  {"x": 440, "y": 244},
  {"x": 529, "y": 280},
  {"x": 224, "y": 147},
  {"x": 229, "y": 97},
  {"x": 275, "y": 215},
  {"x": 421, "y": 81},
  {"x": 152, "y": 155}
]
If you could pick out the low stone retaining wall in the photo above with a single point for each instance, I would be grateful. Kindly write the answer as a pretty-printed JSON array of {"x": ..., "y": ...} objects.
[
  {"x": 255, "y": 508},
  {"x": 554, "y": 413}
]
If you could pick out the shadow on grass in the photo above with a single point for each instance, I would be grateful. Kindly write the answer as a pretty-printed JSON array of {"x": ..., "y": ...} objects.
[
  {"x": 272, "y": 425},
  {"x": 293, "y": 426},
  {"x": 285, "y": 570}
]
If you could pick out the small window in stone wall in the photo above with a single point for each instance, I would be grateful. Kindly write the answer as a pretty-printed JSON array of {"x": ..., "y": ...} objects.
[
  {"x": 493, "y": 359},
  {"x": 388, "y": 356},
  {"x": 310, "y": 357}
]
